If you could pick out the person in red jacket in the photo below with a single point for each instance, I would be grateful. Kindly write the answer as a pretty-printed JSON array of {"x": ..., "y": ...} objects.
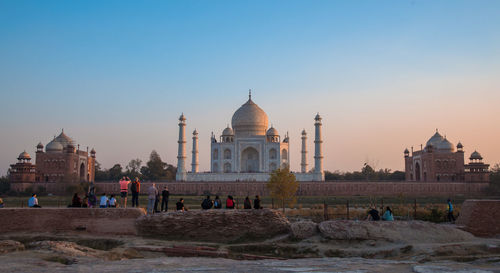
[{"x": 229, "y": 202}]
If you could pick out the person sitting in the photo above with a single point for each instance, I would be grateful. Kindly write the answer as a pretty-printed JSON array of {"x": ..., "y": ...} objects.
[
  {"x": 1, "y": 203},
  {"x": 388, "y": 216},
  {"x": 112, "y": 201},
  {"x": 217, "y": 203},
  {"x": 373, "y": 215},
  {"x": 207, "y": 203},
  {"x": 229, "y": 202},
  {"x": 85, "y": 201},
  {"x": 247, "y": 204},
  {"x": 76, "y": 202},
  {"x": 33, "y": 202},
  {"x": 104, "y": 201},
  {"x": 180, "y": 205},
  {"x": 256, "y": 203}
]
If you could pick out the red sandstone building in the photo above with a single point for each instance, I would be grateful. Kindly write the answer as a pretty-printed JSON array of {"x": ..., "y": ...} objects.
[
  {"x": 440, "y": 162},
  {"x": 61, "y": 162}
]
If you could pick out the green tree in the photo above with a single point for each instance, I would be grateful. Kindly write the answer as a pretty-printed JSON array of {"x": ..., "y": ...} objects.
[
  {"x": 134, "y": 168},
  {"x": 115, "y": 173},
  {"x": 368, "y": 172},
  {"x": 283, "y": 187},
  {"x": 100, "y": 174}
]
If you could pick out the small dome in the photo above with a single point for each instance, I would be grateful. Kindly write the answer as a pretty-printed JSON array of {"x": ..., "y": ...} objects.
[
  {"x": 459, "y": 145},
  {"x": 434, "y": 140},
  {"x": 304, "y": 132},
  {"x": 54, "y": 146},
  {"x": 272, "y": 132},
  {"x": 475, "y": 155},
  {"x": 182, "y": 117},
  {"x": 318, "y": 117},
  {"x": 249, "y": 120},
  {"x": 195, "y": 132},
  {"x": 228, "y": 131},
  {"x": 24, "y": 155},
  {"x": 406, "y": 151},
  {"x": 92, "y": 151},
  {"x": 40, "y": 145},
  {"x": 446, "y": 146}
]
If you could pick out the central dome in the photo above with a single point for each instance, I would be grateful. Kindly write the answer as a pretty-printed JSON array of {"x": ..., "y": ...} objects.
[{"x": 249, "y": 120}]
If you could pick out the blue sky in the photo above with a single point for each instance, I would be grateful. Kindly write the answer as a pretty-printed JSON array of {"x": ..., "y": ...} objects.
[{"x": 117, "y": 74}]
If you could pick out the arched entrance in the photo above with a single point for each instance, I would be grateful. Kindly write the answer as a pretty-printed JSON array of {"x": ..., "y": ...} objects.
[
  {"x": 417, "y": 171},
  {"x": 82, "y": 172},
  {"x": 250, "y": 160}
]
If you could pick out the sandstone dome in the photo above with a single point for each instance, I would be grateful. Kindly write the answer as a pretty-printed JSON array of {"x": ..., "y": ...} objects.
[
  {"x": 249, "y": 120},
  {"x": 24, "y": 155},
  {"x": 475, "y": 155}
]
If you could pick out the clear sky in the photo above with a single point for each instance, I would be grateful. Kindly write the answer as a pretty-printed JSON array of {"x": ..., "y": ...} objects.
[{"x": 117, "y": 74}]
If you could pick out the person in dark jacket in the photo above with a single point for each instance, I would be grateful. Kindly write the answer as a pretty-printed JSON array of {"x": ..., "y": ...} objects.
[
  {"x": 256, "y": 202},
  {"x": 157, "y": 201},
  {"x": 247, "y": 204},
  {"x": 76, "y": 202},
  {"x": 165, "y": 194},
  {"x": 373, "y": 215},
  {"x": 207, "y": 203},
  {"x": 180, "y": 205},
  {"x": 135, "y": 188}
]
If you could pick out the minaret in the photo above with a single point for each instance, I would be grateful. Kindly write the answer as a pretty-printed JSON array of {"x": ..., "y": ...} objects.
[
  {"x": 303, "y": 163},
  {"x": 181, "y": 155},
  {"x": 318, "y": 154},
  {"x": 194, "y": 161}
]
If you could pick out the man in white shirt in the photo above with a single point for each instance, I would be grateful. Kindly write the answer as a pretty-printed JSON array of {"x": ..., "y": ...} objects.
[{"x": 152, "y": 192}]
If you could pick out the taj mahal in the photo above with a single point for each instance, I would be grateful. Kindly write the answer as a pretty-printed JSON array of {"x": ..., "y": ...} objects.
[{"x": 249, "y": 150}]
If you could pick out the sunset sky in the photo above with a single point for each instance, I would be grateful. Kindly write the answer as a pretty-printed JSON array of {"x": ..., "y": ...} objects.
[{"x": 384, "y": 75}]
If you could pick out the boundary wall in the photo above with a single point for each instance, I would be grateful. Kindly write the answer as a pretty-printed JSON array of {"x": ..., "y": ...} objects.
[{"x": 305, "y": 189}]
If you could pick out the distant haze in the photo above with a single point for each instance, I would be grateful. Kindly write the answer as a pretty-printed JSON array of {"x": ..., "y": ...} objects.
[{"x": 384, "y": 75}]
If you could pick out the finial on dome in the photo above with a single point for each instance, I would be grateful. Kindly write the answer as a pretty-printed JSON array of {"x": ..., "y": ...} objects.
[{"x": 249, "y": 94}]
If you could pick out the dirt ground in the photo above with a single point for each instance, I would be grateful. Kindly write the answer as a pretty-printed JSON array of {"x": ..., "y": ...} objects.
[{"x": 83, "y": 253}]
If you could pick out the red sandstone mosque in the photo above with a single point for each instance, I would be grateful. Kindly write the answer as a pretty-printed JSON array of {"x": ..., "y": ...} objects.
[
  {"x": 438, "y": 161},
  {"x": 60, "y": 162}
]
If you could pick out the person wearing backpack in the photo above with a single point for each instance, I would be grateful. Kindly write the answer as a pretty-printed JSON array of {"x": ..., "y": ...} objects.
[
  {"x": 229, "y": 202},
  {"x": 207, "y": 203},
  {"x": 217, "y": 203}
]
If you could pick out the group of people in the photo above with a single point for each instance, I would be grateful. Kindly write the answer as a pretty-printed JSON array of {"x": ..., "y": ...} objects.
[
  {"x": 373, "y": 214},
  {"x": 154, "y": 198},
  {"x": 230, "y": 203}
]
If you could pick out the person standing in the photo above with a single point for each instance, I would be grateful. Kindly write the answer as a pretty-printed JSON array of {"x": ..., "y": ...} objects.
[
  {"x": 135, "y": 188},
  {"x": 247, "y": 204},
  {"x": 152, "y": 193},
  {"x": 157, "y": 200},
  {"x": 33, "y": 201},
  {"x": 92, "y": 200},
  {"x": 451, "y": 218},
  {"x": 256, "y": 203},
  {"x": 124, "y": 190},
  {"x": 165, "y": 194}
]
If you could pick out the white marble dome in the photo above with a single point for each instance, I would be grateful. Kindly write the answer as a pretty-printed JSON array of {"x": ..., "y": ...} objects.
[
  {"x": 272, "y": 132},
  {"x": 228, "y": 131},
  {"x": 249, "y": 120},
  {"x": 435, "y": 140},
  {"x": 445, "y": 146},
  {"x": 64, "y": 139},
  {"x": 54, "y": 146}
]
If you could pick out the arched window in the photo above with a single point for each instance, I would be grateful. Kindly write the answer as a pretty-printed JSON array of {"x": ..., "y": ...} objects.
[
  {"x": 273, "y": 154},
  {"x": 284, "y": 155},
  {"x": 227, "y": 167},
  {"x": 227, "y": 154},
  {"x": 215, "y": 154}
]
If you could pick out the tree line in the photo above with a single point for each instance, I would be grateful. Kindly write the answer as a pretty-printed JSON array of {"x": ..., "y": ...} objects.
[
  {"x": 367, "y": 173},
  {"x": 154, "y": 170}
]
